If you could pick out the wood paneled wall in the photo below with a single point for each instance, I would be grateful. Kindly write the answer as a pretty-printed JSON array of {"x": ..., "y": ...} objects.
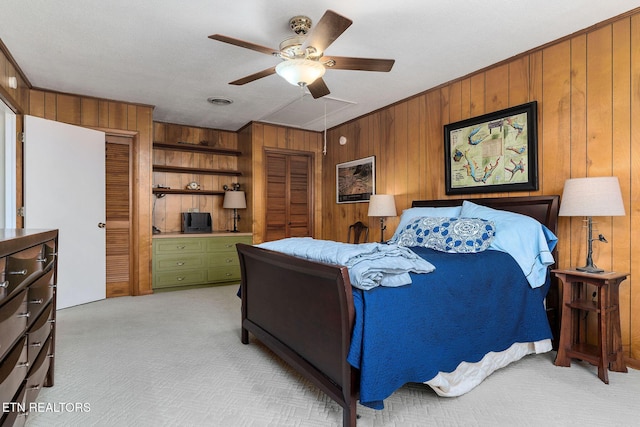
[
  {"x": 166, "y": 210},
  {"x": 588, "y": 90},
  {"x": 17, "y": 98},
  {"x": 253, "y": 140},
  {"x": 113, "y": 116}
]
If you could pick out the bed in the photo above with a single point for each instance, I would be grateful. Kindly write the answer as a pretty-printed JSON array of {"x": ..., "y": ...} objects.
[{"x": 309, "y": 314}]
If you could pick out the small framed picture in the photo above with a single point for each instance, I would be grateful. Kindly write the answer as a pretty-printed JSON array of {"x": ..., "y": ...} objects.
[{"x": 356, "y": 180}]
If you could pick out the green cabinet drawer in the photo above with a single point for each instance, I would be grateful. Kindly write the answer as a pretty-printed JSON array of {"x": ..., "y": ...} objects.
[
  {"x": 224, "y": 274},
  {"x": 222, "y": 259},
  {"x": 171, "y": 262},
  {"x": 179, "y": 245},
  {"x": 168, "y": 279},
  {"x": 227, "y": 243}
]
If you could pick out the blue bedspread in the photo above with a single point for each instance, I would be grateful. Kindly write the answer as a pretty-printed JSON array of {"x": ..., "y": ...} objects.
[{"x": 470, "y": 305}]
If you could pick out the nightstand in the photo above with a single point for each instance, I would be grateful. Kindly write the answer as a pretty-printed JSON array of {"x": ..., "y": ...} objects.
[{"x": 575, "y": 302}]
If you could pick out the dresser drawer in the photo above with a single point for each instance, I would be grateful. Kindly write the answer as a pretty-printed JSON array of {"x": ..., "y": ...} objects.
[
  {"x": 5, "y": 291},
  {"x": 17, "y": 415},
  {"x": 224, "y": 274},
  {"x": 13, "y": 320},
  {"x": 223, "y": 259},
  {"x": 222, "y": 244},
  {"x": 178, "y": 246},
  {"x": 49, "y": 254},
  {"x": 38, "y": 333},
  {"x": 169, "y": 279},
  {"x": 39, "y": 295},
  {"x": 13, "y": 369},
  {"x": 170, "y": 262},
  {"x": 38, "y": 372},
  {"x": 22, "y": 265},
  {"x": 226, "y": 244}
]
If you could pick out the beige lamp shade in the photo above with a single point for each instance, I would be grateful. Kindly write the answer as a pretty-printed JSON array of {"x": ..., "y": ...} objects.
[
  {"x": 234, "y": 200},
  {"x": 382, "y": 205},
  {"x": 592, "y": 196}
]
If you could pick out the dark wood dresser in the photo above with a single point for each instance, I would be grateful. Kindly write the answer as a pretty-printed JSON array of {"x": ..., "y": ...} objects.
[{"x": 28, "y": 277}]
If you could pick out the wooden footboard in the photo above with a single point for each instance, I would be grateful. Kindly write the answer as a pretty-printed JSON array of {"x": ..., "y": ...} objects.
[{"x": 302, "y": 311}]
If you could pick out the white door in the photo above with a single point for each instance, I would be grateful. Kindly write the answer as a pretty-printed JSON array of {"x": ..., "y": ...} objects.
[{"x": 64, "y": 188}]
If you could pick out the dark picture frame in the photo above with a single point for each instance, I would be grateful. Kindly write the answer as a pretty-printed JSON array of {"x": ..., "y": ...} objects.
[
  {"x": 495, "y": 152},
  {"x": 356, "y": 180}
]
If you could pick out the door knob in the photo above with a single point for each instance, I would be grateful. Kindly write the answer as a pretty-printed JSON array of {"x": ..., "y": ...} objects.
[{"x": 101, "y": 225}]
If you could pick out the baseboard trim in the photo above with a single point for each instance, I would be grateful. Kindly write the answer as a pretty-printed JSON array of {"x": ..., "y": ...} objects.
[{"x": 632, "y": 363}]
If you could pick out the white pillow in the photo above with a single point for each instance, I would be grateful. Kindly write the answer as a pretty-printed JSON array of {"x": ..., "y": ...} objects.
[
  {"x": 521, "y": 236},
  {"x": 409, "y": 214}
]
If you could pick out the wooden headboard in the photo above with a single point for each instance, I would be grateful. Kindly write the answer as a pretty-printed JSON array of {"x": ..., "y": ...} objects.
[{"x": 542, "y": 208}]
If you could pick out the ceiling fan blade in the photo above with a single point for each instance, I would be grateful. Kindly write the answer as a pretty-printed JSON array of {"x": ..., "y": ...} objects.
[
  {"x": 255, "y": 76},
  {"x": 242, "y": 43},
  {"x": 362, "y": 64},
  {"x": 318, "y": 88},
  {"x": 326, "y": 31}
]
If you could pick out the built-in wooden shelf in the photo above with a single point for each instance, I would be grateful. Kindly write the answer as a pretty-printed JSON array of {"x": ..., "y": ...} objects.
[
  {"x": 185, "y": 191},
  {"x": 203, "y": 171},
  {"x": 183, "y": 146},
  {"x": 198, "y": 148}
]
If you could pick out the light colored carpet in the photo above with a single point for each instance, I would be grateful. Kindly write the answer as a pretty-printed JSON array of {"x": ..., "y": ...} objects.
[{"x": 175, "y": 359}]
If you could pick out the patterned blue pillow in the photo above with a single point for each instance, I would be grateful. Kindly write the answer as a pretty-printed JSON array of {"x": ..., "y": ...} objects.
[{"x": 453, "y": 235}]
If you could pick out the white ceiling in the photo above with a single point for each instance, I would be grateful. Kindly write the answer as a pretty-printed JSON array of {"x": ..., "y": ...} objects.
[{"x": 157, "y": 52}]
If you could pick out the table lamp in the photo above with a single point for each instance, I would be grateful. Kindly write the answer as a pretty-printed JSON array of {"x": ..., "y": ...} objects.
[
  {"x": 382, "y": 205},
  {"x": 589, "y": 197},
  {"x": 234, "y": 200}
]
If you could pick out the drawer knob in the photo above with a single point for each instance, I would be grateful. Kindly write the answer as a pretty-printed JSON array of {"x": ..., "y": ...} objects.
[
  {"x": 227, "y": 274},
  {"x": 179, "y": 279},
  {"x": 36, "y": 301},
  {"x": 23, "y": 365},
  {"x": 180, "y": 247},
  {"x": 36, "y": 344},
  {"x": 19, "y": 272},
  {"x": 180, "y": 263},
  {"x": 229, "y": 260},
  {"x": 35, "y": 387},
  {"x": 42, "y": 259},
  {"x": 4, "y": 284},
  {"x": 27, "y": 314}
]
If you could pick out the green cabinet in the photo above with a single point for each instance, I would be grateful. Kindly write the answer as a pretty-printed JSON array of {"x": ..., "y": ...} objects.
[{"x": 194, "y": 260}]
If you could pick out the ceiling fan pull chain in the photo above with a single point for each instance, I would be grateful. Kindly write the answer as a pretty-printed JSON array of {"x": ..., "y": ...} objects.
[{"x": 324, "y": 149}]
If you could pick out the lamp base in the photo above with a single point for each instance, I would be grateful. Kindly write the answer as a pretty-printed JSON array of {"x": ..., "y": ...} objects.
[
  {"x": 382, "y": 228},
  {"x": 590, "y": 269}
]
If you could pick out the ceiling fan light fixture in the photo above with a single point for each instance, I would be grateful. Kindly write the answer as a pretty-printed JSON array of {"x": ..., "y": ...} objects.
[{"x": 300, "y": 72}]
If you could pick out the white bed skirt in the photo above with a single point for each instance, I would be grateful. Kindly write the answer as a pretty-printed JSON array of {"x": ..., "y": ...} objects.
[{"x": 468, "y": 375}]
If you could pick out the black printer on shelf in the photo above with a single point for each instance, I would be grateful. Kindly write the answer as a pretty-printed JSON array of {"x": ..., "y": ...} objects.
[{"x": 196, "y": 222}]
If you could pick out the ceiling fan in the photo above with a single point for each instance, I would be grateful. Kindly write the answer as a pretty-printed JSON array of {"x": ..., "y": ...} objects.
[{"x": 303, "y": 61}]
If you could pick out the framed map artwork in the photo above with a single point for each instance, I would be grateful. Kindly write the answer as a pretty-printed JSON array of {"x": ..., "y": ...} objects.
[
  {"x": 356, "y": 180},
  {"x": 496, "y": 152}
]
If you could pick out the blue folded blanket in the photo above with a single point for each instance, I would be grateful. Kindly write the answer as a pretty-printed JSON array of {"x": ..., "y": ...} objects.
[{"x": 370, "y": 264}]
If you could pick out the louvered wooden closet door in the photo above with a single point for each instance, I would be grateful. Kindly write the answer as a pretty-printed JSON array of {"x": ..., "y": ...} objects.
[
  {"x": 118, "y": 214},
  {"x": 288, "y": 196}
]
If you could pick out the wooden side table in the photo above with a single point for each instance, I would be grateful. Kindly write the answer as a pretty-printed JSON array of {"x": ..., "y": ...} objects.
[{"x": 608, "y": 353}]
